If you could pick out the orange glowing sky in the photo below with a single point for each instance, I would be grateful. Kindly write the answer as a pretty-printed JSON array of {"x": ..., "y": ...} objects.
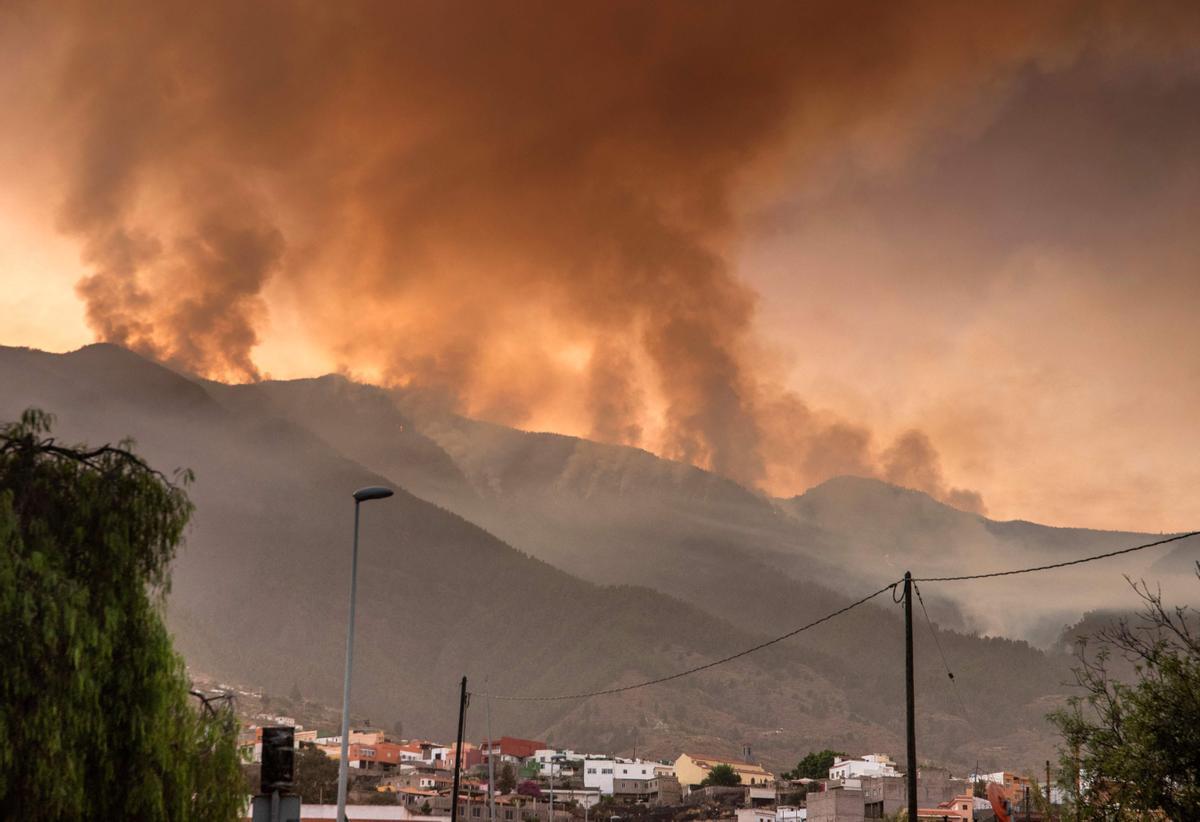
[{"x": 773, "y": 241}]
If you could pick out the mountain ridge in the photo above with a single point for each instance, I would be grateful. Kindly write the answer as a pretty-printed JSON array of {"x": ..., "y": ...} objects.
[{"x": 669, "y": 578}]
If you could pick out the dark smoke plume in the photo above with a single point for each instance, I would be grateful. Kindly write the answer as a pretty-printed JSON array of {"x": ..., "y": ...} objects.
[{"x": 523, "y": 206}]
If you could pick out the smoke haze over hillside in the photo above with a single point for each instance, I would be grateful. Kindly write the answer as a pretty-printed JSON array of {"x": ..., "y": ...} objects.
[{"x": 531, "y": 212}]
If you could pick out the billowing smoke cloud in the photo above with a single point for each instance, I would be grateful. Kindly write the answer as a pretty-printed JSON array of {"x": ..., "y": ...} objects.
[{"x": 528, "y": 208}]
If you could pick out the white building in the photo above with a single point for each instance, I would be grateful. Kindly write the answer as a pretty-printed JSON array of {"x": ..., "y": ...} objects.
[
  {"x": 600, "y": 773},
  {"x": 851, "y": 771},
  {"x": 784, "y": 813},
  {"x": 556, "y": 763}
]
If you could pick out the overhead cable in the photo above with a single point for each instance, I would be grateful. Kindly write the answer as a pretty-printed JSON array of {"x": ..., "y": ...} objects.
[
  {"x": 1052, "y": 566},
  {"x": 889, "y": 587},
  {"x": 945, "y": 664},
  {"x": 706, "y": 665}
]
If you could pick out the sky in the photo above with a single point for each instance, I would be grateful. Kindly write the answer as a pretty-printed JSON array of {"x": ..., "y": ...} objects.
[{"x": 948, "y": 245}]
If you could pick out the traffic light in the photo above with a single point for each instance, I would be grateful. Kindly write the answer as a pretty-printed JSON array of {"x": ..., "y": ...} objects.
[{"x": 278, "y": 764}]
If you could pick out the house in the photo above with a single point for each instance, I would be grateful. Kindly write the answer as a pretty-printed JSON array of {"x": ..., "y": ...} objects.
[
  {"x": 412, "y": 752},
  {"x": 328, "y": 813},
  {"x": 380, "y": 756},
  {"x": 884, "y": 796},
  {"x": 784, "y": 813},
  {"x": 1015, "y": 787},
  {"x": 959, "y": 809},
  {"x": 419, "y": 778},
  {"x": 511, "y": 749},
  {"x": 602, "y": 774},
  {"x": 850, "y": 771},
  {"x": 691, "y": 769},
  {"x": 755, "y": 815},
  {"x": 598, "y": 774},
  {"x": 556, "y": 763},
  {"x": 836, "y": 805},
  {"x": 471, "y": 755}
]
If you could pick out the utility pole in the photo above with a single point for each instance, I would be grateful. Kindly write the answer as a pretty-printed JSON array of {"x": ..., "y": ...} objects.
[
  {"x": 1049, "y": 800},
  {"x": 910, "y": 698},
  {"x": 462, "y": 710},
  {"x": 491, "y": 754}
]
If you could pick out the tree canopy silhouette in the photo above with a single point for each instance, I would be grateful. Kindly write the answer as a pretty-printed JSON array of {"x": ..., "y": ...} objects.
[
  {"x": 723, "y": 776},
  {"x": 96, "y": 720},
  {"x": 815, "y": 765},
  {"x": 1132, "y": 740}
]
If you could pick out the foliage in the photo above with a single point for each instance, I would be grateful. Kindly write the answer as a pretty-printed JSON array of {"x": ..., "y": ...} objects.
[
  {"x": 723, "y": 776},
  {"x": 797, "y": 795},
  {"x": 379, "y": 797},
  {"x": 96, "y": 721},
  {"x": 1133, "y": 747},
  {"x": 316, "y": 775},
  {"x": 425, "y": 809},
  {"x": 529, "y": 788},
  {"x": 506, "y": 780},
  {"x": 815, "y": 765}
]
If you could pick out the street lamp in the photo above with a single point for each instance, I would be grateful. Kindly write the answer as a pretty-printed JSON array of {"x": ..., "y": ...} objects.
[{"x": 361, "y": 495}]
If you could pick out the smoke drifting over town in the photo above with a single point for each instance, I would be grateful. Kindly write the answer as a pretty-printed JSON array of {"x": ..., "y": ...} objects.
[{"x": 530, "y": 211}]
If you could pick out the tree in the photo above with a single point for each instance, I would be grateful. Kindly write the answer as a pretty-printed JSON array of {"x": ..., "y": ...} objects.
[
  {"x": 96, "y": 719},
  {"x": 425, "y": 809},
  {"x": 529, "y": 788},
  {"x": 316, "y": 775},
  {"x": 1133, "y": 747},
  {"x": 815, "y": 765},
  {"x": 723, "y": 776},
  {"x": 507, "y": 779}
]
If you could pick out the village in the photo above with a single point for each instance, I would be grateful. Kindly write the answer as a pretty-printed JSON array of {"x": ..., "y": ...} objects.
[{"x": 509, "y": 779}]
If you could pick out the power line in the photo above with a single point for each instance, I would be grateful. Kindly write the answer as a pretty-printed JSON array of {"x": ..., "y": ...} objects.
[
  {"x": 706, "y": 665},
  {"x": 1052, "y": 566},
  {"x": 889, "y": 587},
  {"x": 945, "y": 664}
]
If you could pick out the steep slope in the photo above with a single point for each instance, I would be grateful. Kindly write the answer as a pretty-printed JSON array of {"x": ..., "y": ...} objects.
[
  {"x": 900, "y": 529},
  {"x": 259, "y": 590},
  {"x": 620, "y": 514}
]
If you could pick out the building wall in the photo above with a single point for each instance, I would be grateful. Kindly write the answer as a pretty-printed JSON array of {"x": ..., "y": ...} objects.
[
  {"x": 885, "y": 795},
  {"x": 635, "y": 770},
  {"x": 598, "y": 773},
  {"x": 691, "y": 771},
  {"x": 838, "y": 805},
  {"x": 669, "y": 791},
  {"x": 635, "y": 790}
]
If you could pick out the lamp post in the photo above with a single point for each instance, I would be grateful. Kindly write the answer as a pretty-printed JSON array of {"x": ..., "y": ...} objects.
[{"x": 360, "y": 496}]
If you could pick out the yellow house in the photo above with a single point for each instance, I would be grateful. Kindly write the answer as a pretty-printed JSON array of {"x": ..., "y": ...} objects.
[{"x": 691, "y": 769}]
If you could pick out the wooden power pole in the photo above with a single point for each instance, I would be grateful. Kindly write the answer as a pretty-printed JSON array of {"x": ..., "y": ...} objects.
[
  {"x": 462, "y": 710},
  {"x": 910, "y": 698}
]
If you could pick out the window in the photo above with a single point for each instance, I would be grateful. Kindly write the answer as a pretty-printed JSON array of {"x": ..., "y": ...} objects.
[{"x": 475, "y": 811}]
